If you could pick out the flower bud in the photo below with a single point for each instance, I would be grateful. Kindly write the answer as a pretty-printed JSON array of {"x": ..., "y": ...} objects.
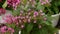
[
  {"x": 45, "y": 18},
  {"x": 22, "y": 26},
  {"x": 39, "y": 26},
  {"x": 28, "y": 20},
  {"x": 34, "y": 21},
  {"x": 36, "y": 13}
]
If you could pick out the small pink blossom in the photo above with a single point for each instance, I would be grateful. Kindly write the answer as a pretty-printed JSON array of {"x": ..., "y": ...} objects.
[
  {"x": 44, "y": 1},
  {"x": 22, "y": 26},
  {"x": 42, "y": 14},
  {"x": 39, "y": 26},
  {"x": 20, "y": 21},
  {"x": 34, "y": 21},
  {"x": 36, "y": 13},
  {"x": 29, "y": 13},
  {"x": 29, "y": 20},
  {"x": 45, "y": 18},
  {"x": 10, "y": 29},
  {"x": 27, "y": 16},
  {"x": 40, "y": 11}
]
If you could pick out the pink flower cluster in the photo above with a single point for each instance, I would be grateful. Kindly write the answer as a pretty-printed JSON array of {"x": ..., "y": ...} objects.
[
  {"x": 44, "y": 1},
  {"x": 2, "y": 11},
  {"x": 13, "y": 3},
  {"x": 24, "y": 18},
  {"x": 4, "y": 29},
  {"x": 8, "y": 18}
]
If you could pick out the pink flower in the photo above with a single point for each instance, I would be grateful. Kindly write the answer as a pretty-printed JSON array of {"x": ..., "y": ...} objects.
[
  {"x": 21, "y": 12},
  {"x": 45, "y": 18},
  {"x": 29, "y": 13},
  {"x": 9, "y": 0},
  {"x": 2, "y": 11},
  {"x": 28, "y": 20},
  {"x": 39, "y": 26},
  {"x": 13, "y": 3},
  {"x": 8, "y": 18},
  {"x": 36, "y": 13},
  {"x": 22, "y": 26},
  {"x": 42, "y": 14},
  {"x": 3, "y": 29},
  {"x": 15, "y": 19},
  {"x": 34, "y": 21},
  {"x": 27, "y": 16},
  {"x": 10, "y": 29},
  {"x": 44, "y": 2},
  {"x": 40, "y": 11}
]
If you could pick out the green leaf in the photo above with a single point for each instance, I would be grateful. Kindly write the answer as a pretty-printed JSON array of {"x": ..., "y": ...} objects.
[
  {"x": 0, "y": 17},
  {"x": 51, "y": 29},
  {"x": 50, "y": 12},
  {"x": 26, "y": 8},
  {"x": 25, "y": 1},
  {"x": 57, "y": 3},
  {"x": 39, "y": 6},
  {"x": 56, "y": 10},
  {"x": 17, "y": 11},
  {"x": 17, "y": 29},
  {"x": 48, "y": 23},
  {"x": 43, "y": 31},
  {"x": 11, "y": 25},
  {"x": 5, "y": 4},
  {"x": 29, "y": 27},
  {"x": 7, "y": 32},
  {"x": 39, "y": 31}
]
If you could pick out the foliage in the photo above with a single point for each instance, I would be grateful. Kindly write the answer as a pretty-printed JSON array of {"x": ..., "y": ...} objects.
[
  {"x": 31, "y": 16},
  {"x": 53, "y": 9}
]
